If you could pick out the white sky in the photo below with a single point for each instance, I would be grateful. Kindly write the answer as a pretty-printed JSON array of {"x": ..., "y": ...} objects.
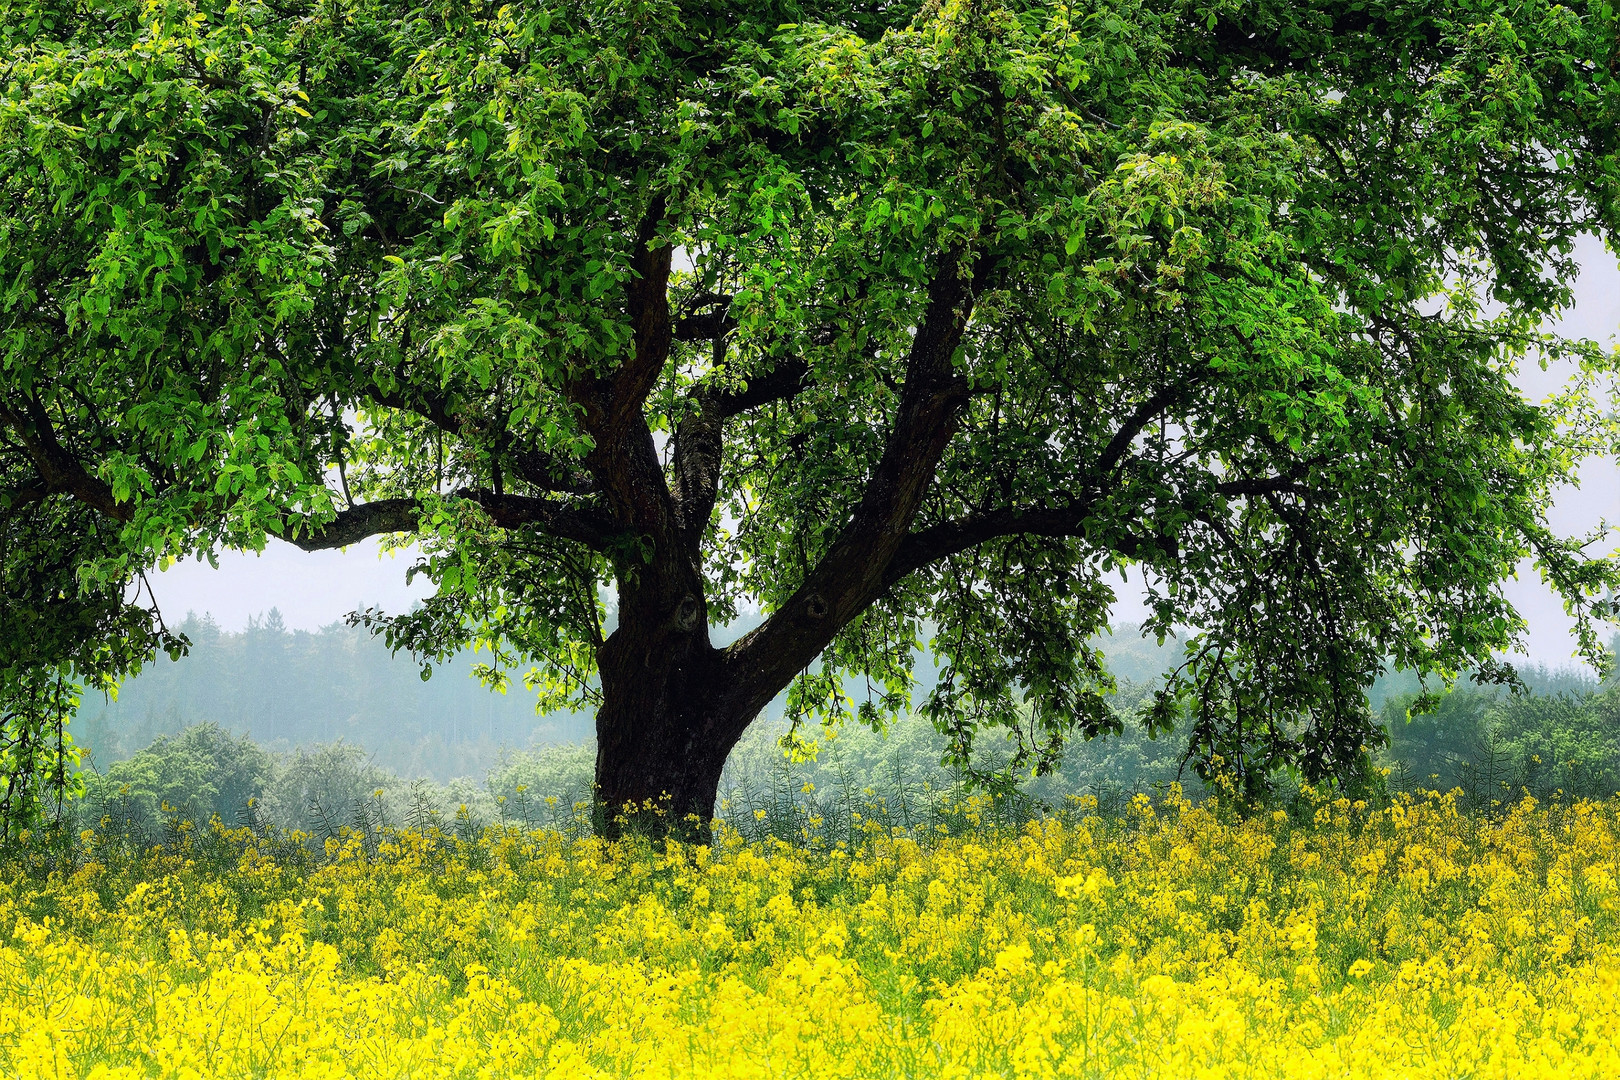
[
  {"x": 1596, "y": 315},
  {"x": 312, "y": 589},
  {"x": 315, "y": 589}
]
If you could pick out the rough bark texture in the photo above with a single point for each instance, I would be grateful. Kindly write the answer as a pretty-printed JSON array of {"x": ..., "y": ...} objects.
[
  {"x": 663, "y": 732},
  {"x": 661, "y": 729}
]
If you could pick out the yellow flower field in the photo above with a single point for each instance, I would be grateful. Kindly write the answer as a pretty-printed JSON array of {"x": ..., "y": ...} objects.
[{"x": 1181, "y": 941}]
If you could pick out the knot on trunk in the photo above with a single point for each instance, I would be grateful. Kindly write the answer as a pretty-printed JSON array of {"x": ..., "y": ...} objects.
[
  {"x": 686, "y": 614},
  {"x": 816, "y": 607}
]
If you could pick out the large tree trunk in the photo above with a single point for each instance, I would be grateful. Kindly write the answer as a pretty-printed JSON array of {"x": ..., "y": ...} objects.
[
  {"x": 656, "y": 773},
  {"x": 668, "y": 721}
]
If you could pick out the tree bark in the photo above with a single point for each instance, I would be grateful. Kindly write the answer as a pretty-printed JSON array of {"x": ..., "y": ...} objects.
[{"x": 668, "y": 721}]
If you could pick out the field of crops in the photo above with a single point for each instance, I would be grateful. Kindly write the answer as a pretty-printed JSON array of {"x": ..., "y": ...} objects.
[{"x": 1172, "y": 941}]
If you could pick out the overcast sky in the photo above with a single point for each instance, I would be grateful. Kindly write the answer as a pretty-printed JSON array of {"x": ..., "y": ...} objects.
[{"x": 315, "y": 589}]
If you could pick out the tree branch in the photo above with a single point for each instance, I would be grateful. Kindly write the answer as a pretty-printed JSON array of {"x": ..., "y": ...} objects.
[
  {"x": 358, "y": 522},
  {"x": 508, "y": 511},
  {"x": 699, "y": 440},
  {"x": 542, "y": 471},
  {"x": 852, "y": 572},
  {"x": 561, "y": 520},
  {"x": 953, "y": 537},
  {"x": 785, "y": 381},
  {"x": 434, "y": 406},
  {"x": 623, "y": 460},
  {"x": 647, "y": 298},
  {"x": 18, "y": 495},
  {"x": 699, "y": 447},
  {"x": 59, "y": 471},
  {"x": 546, "y": 472},
  {"x": 1269, "y": 485},
  {"x": 705, "y": 327},
  {"x": 1144, "y": 415}
]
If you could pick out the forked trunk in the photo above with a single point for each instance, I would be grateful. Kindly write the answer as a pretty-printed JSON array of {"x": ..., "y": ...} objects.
[{"x": 673, "y": 705}]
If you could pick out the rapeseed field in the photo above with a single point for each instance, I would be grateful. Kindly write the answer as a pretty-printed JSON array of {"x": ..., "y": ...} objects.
[{"x": 1173, "y": 940}]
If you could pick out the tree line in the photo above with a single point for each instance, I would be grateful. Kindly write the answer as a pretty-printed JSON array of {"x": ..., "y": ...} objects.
[
  {"x": 297, "y": 688},
  {"x": 1558, "y": 740}
]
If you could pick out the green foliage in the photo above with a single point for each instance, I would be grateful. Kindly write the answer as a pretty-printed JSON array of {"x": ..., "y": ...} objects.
[
  {"x": 59, "y": 637},
  {"x": 321, "y": 789},
  {"x": 1563, "y": 745},
  {"x": 1231, "y": 294},
  {"x": 1496, "y": 747},
  {"x": 201, "y": 772},
  {"x": 548, "y": 786},
  {"x": 35, "y": 750},
  {"x": 1436, "y": 748}
]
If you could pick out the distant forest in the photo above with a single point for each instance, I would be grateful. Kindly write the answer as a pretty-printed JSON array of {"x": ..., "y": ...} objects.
[
  {"x": 290, "y": 689},
  {"x": 295, "y": 688}
]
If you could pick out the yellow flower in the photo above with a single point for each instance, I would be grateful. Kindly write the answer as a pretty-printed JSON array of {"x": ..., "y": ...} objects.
[{"x": 1176, "y": 940}]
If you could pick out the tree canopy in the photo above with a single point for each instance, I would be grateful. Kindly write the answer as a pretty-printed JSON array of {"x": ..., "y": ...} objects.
[{"x": 635, "y": 315}]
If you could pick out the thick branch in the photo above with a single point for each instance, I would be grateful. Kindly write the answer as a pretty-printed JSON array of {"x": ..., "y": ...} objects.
[
  {"x": 546, "y": 472},
  {"x": 561, "y": 520},
  {"x": 953, "y": 537},
  {"x": 699, "y": 439},
  {"x": 623, "y": 460},
  {"x": 433, "y": 405},
  {"x": 358, "y": 522},
  {"x": 647, "y": 298},
  {"x": 699, "y": 445},
  {"x": 852, "y": 573},
  {"x": 59, "y": 471},
  {"x": 541, "y": 471},
  {"x": 787, "y": 380},
  {"x": 1144, "y": 415},
  {"x": 962, "y": 534},
  {"x": 18, "y": 495},
  {"x": 508, "y": 511},
  {"x": 705, "y": 327}
]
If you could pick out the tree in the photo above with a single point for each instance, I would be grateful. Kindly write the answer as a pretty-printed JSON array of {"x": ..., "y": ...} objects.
[
  {"x": 195, "y": 775},
  {"x": 634, "y": 314}
]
